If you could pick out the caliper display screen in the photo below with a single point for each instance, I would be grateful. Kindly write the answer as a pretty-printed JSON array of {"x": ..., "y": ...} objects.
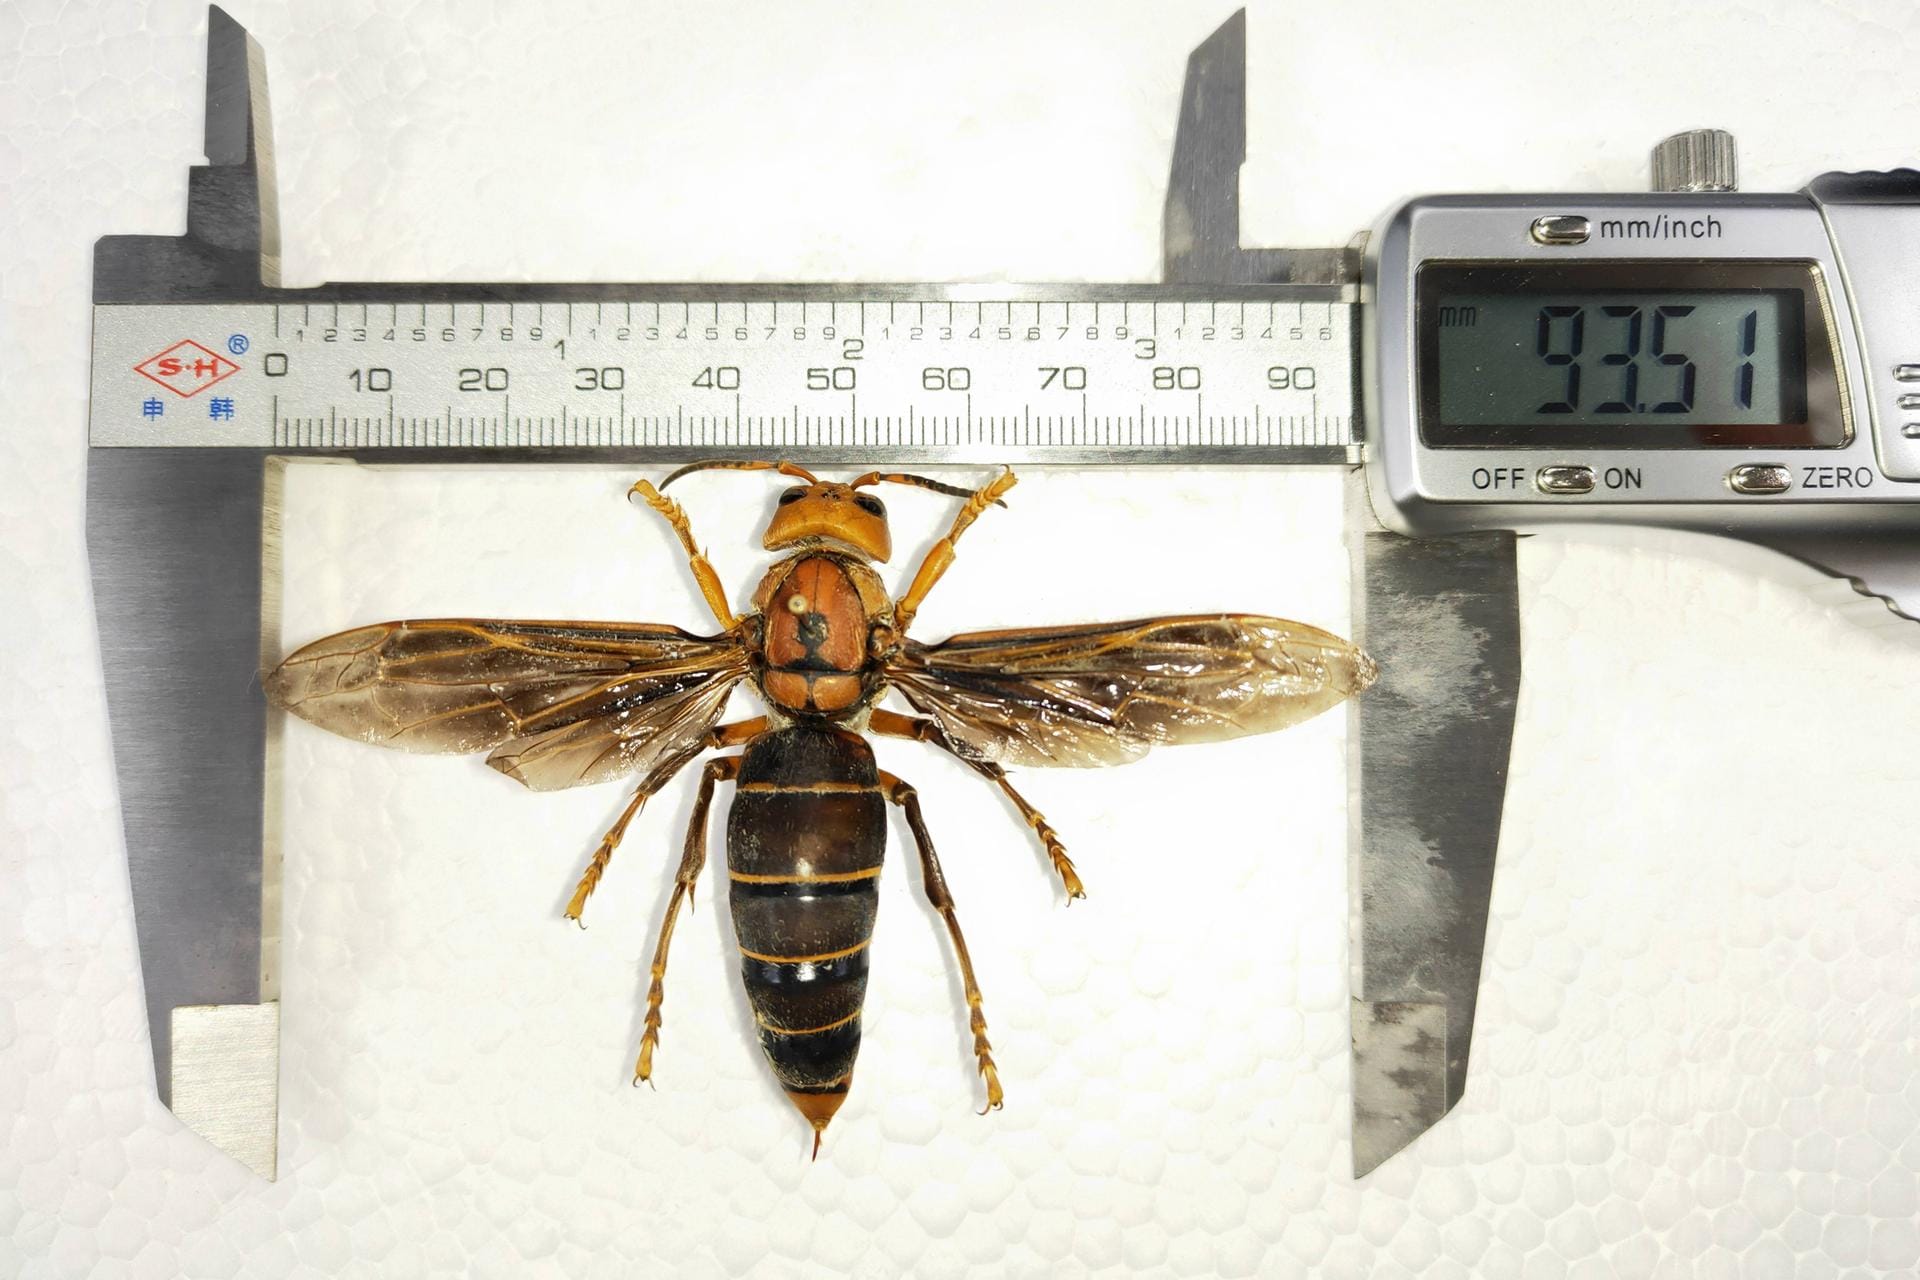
[{"x": 1639, "y": 355}]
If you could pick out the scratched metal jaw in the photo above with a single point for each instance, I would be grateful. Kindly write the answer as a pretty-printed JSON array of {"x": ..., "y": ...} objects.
[{"x": 184, "y": 549}]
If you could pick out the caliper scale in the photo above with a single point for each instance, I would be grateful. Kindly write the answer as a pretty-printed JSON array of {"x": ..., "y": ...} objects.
[{"x": 207, "y": 375}]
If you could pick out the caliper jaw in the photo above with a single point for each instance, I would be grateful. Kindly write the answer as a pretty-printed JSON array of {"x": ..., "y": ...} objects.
[
  {"x": 1429, "y": 756},
  {"x": 1430, "y": 742},
  {"x": 1200, "y": 227},
  {"x": 182, "y": 549},
  {"x": 232, "y": 246}
]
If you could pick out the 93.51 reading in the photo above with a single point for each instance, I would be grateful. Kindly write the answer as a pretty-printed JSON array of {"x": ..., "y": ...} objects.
[
  {"x": 1613, "y": 357},
  {"x": 1690, "y": 355}
]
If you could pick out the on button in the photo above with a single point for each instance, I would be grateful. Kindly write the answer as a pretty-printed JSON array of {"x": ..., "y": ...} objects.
[{"x": 1562, "y": 480}]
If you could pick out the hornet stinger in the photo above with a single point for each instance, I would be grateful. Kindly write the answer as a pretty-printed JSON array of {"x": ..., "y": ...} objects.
[{"x": 560, "y": 704}]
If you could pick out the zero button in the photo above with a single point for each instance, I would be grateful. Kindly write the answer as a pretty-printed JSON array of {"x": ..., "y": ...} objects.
[{"x": 1759, "y": 477}]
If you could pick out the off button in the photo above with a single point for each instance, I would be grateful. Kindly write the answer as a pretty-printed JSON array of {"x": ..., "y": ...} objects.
[
  {"x": 1564, "y": 480},
  {"x": 1759, "y": 477}
]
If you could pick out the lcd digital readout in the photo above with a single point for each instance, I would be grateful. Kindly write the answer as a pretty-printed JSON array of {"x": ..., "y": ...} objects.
[
  {"x": 1632, "y": 355},
  {"x": 1622, "y": 356}
]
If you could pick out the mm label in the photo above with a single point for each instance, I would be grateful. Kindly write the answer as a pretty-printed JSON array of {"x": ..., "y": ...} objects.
[{"x": 992, "y": 378}]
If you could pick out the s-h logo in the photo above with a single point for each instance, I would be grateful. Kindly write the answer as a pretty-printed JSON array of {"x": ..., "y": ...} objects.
[{"x": 186, "y": 368}]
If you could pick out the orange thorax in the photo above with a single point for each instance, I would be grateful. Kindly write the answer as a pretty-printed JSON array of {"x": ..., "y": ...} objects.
[{"x": 819, "y": 610}]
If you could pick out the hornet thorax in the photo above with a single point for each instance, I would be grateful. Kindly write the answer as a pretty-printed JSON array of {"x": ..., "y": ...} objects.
[
  {"x": 825, "y": 620},
  {"x": 823, "y": 624}
]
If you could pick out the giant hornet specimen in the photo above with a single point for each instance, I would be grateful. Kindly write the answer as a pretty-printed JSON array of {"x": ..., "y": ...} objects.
[{"x": 560, "y": 704}]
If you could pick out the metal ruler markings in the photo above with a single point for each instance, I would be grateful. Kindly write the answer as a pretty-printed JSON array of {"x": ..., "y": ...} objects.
[{"x": 1107, "y": 371}]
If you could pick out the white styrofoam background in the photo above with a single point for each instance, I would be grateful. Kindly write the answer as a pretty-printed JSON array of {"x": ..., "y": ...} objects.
[{"x": 1698, "y": 1040}]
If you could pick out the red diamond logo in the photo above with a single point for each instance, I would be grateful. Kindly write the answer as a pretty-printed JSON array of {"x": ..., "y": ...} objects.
[{"x": 186, "y": 368}]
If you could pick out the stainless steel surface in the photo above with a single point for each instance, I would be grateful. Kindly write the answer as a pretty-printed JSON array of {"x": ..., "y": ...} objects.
[
  {"x": 1906, "y": 373},
  {"x": 1875, "y": 222},
  {"x": 232, "y": 245},
  {"x": 227, "y": 1078},
  {"x": 1560, "y": 228},
  {"x": 1564, "y": 480},
  {"x": 1760, "y": 477},
  {"x": 176, "y": 545},
  {"x": 180, "y": 544},
  {"x": 1200, "y": 233},
  {"x": 1697, "y": 160},
  {"x": 1429, "y": 761}
]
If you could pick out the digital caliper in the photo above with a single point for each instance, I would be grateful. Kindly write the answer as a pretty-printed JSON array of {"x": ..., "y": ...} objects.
[
  {"x": 1740, "y": 364},
  {"x": 1697, "y": 358}
]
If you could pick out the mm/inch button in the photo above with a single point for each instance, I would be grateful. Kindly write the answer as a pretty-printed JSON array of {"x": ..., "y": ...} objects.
[
  {"x": 1760, "y": 477},
  {"x": 1560, "y": 228},
  {"x": 1562, "y": 481}
]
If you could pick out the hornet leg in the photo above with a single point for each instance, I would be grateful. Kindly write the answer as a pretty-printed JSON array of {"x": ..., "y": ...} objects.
[
  {"x": 936, "y": 882},
  {"x": 941, "y": 557},
  {"x": 732, "y": 735},
  {"x": 691, "y": 860},
  {"x": 703, "y": 571},
  {"x": 892, "y": 724},
  {"x": 597, "y": 866}
]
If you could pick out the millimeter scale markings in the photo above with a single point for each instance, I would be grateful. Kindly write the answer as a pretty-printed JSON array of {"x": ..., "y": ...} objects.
[{"x": 1242, "y": 372}]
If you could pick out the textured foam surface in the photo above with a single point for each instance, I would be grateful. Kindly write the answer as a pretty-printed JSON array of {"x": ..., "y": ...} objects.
[{"x": 1698, "y": 1041}]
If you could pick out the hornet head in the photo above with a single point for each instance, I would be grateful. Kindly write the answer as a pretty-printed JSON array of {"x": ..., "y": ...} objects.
[{"x": 827, "y": 514}]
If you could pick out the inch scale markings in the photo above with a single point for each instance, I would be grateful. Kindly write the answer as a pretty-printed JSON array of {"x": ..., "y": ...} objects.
[{"x": 1059, "y": 373}]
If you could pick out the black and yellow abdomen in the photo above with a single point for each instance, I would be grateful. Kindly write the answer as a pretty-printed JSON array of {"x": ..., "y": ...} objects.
[{"x": 805, "y": 839}]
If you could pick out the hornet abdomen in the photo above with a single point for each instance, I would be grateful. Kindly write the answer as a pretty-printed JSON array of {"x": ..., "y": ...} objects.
[{"x": 805, "y": 839}]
